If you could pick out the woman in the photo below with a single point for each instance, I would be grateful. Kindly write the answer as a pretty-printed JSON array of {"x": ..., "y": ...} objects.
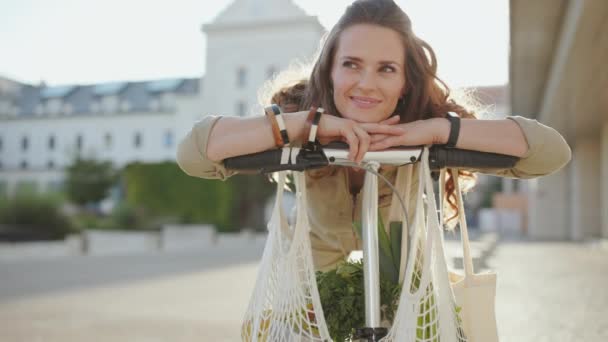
[{"x": 377, "y": 82}]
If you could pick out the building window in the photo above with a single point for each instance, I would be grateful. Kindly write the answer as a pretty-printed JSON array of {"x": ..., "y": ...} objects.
[
  {"x": 168, "y": 139},
  {"x": 23, "y": 165},
  {"x": 79, "y": 143},
  {"x": 25, "y": 143},
  {"x": 52, "y": 142},
  {"x": 50, "y": 165},
  {"x": 271, "y": 71},
  {"x": 107, "y": 140},
  {"x": 137, "y": 140},
  {"x": 241, "y": 77},
  {"x": 241, "y": 108},
  {"x": 125, "y": 106}
]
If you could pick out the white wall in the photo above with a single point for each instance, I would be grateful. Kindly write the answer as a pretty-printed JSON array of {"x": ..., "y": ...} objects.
[{"x": 255, "y": 49}]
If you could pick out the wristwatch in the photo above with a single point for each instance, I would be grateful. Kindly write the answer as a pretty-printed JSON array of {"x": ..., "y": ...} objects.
[{"x": 454, "y": 129}]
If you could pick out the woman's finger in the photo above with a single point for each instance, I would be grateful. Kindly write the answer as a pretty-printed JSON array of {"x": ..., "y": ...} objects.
[
  {"x": 391, "y": 121},
  {"x": 386, "y": 143},
  {"x": 378, "y": 137},
  {"x": 353, "y": 143},
  {"x": 364, "y": 142},
  {"x": 373, "y": 128}
]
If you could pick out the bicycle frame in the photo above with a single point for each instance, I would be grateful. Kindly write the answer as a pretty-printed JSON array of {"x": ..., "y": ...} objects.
[{"x": 369, "y": 231}]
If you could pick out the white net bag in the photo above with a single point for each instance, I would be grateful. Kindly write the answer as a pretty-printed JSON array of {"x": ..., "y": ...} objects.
[
  {"x": 427, "y": 311},
  {"x": 285, "y": 304}
]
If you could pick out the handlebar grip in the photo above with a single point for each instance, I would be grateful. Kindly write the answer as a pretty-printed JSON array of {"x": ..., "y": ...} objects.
[
  {"x": 270, "y": 161},
  {"x": 254, "y": 161},
  {"x": 441, "y": 157}
]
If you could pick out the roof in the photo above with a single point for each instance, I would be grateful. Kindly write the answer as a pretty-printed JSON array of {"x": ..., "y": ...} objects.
[
  {"x": 249, "y": 11},
  {"x": 140, "y": 95}
]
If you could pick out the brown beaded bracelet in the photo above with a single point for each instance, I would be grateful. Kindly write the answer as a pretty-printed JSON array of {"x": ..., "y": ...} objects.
[{"x": 279, "y": 130}]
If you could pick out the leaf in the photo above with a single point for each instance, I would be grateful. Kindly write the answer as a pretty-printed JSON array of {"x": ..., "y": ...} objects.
[{"x": 396, "y": 231}]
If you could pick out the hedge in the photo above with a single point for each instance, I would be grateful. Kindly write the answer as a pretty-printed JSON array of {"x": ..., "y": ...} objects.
[{"x": 163, "y": 189}]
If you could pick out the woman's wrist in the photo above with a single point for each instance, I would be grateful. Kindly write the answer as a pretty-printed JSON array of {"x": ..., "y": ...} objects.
[
  {"x": 441, "y": 129},
  {"x": 295, "y": 123}
]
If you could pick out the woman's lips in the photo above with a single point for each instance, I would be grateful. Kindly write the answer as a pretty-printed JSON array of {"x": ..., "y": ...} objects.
[{"x": 364, "y": 102}]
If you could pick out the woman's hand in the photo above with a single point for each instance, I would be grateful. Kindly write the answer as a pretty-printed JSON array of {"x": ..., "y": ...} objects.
[
  {"x": 357, "y": 135},
  {"x": 421, "y": 132}
]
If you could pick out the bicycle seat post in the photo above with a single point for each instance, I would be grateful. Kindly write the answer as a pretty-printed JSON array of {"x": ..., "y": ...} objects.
[{"x": 371, "y": 267}]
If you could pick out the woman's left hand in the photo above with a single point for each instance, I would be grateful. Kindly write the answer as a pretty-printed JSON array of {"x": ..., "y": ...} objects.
[{"x": 421, "y": 132}]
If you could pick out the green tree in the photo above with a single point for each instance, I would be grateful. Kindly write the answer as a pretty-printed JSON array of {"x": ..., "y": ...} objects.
[{"x": 89, "y": 180}]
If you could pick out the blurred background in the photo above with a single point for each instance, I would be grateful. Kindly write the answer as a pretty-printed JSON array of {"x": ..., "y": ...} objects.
[{"x": 103, "y": 237}]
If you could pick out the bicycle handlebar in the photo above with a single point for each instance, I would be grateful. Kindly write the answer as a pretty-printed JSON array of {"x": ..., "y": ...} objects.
[{"x": 300, "y": 159}]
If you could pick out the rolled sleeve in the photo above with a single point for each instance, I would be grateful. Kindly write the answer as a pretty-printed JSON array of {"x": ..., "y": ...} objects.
[
  {"x": 547, "y": 151},
  {"x": 192, "y": 152}
]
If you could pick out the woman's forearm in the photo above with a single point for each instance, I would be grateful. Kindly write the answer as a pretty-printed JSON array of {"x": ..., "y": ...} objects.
[
  {"x": 234, "y": 136},
  {"x": 497, "y": 136}
]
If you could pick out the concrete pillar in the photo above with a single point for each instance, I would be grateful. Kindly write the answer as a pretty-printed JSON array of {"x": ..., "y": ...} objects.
[
  {"x": 549, "y": 212},
  {"x": 585, "y": 199},
  {"x": 604, "y": 180}
]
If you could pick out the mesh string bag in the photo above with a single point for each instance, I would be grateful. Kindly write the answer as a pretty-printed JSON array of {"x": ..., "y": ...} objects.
[
  {"x": 427, "y": 310},
  {"x": 285, "y": 304}
]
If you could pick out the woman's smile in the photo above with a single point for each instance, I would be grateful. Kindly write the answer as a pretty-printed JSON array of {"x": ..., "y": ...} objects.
[{"x": 365, "y": 102}]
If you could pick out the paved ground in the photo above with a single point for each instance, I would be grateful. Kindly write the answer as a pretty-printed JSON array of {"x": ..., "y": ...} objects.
[
  {"x": 546, "y": 292},
  {"x": 551, "y": 292}
]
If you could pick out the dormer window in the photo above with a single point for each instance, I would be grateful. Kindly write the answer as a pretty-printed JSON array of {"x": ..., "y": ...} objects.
[
  {"x": 154, "y": 104},
  {"x": 68, "y": 109}
]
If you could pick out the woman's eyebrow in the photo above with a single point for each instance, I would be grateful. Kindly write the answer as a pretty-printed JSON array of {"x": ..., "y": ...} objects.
[
  {"x": 352, "y": 58},
  {"x": 357, "y": 59}
]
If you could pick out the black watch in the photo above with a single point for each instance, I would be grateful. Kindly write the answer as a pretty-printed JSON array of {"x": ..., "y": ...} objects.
[{"x": 454, "y": 129}]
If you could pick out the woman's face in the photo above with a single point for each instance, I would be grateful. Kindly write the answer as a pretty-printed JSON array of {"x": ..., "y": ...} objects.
[{"x": 368, "y": 72}]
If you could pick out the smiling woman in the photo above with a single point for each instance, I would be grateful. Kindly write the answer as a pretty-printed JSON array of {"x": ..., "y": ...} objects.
[{"x": 378, "y": 84}]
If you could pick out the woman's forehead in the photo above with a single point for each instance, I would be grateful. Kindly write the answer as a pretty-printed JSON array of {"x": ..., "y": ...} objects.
[{"x": 371, "y": 43}]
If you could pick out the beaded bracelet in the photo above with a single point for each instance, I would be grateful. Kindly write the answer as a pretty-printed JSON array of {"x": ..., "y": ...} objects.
[{"x": 279, "y": 130}]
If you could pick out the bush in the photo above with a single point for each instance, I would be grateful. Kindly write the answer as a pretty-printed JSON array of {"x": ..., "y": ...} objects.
[
  {"x": 89, "y": 180},
  {"x": 31, "y": 217},
  {"x": 164, "y": 190}
]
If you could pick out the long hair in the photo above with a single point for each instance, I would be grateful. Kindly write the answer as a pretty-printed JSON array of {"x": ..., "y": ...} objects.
[{"x": 426, "y": 96}]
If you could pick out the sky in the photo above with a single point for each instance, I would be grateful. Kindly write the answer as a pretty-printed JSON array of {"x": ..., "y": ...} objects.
[{"x": 90, "y": 41}]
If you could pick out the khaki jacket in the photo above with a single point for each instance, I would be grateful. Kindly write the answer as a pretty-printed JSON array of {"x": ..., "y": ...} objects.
[{"x": 330, "y": 205}]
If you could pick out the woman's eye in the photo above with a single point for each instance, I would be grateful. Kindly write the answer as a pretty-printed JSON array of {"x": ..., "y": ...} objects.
[
  {"x": 387, "y": 68},
  {"x": 349, "y": 64}
]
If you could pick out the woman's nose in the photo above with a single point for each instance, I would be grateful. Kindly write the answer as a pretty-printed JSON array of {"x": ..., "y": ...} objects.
[{"x": 367, "y": 80}]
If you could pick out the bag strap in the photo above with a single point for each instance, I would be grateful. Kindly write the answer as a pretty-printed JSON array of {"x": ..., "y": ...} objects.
[
  {"x": 462, "y": 221},
  {"x": 403, "y": 183}
]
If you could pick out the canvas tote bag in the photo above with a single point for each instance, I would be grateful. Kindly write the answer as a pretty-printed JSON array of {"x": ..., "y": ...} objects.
[{"x": 475, "y": 293}]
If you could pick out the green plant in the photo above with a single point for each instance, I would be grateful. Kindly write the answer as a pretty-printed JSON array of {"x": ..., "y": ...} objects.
[
  {"x": 164, "y": 190},
  {"x": 35, "y": 216},
  {"x": 342, "y": 292},
  {"x": 89, "y": 180}
]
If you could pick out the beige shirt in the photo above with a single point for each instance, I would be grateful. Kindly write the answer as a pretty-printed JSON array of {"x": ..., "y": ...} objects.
[{"x": 330, "y": 205}]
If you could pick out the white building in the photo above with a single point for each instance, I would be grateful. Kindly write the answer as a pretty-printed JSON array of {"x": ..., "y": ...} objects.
[{"x": 42, "y": 128}]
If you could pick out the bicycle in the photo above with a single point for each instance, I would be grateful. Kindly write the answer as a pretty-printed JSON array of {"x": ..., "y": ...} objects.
[{"x": 312, "y": 156}]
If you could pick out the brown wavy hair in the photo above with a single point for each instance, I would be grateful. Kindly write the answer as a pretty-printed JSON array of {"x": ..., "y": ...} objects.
[{"x": 426, "y": 96}]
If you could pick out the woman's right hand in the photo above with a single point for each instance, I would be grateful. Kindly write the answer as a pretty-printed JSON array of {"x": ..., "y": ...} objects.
[{"x": 357, "y": 135}]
